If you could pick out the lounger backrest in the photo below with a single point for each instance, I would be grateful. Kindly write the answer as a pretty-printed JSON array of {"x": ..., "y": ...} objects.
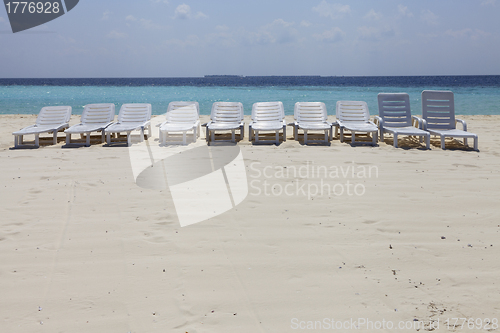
[
  {"x": 227, "y": 112},
  {"x": 134, "y": 113},
  {"x": 438, "y": 109},
  {"x": 313, "y": 112},
  {"x": 183, "y": 113},
  {"x": 181, "y": 104},
  {"x": 394, "y": 109},
  {"x": 53, "y": 115},
  {"x": 98, "y": 113},
  {"x": 268, "y": 111},
  {"x": 352, "y": 111}
]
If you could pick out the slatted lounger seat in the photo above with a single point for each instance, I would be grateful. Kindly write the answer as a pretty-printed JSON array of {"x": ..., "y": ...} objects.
[
  {"x": 395, "y": 117},
  {"x": 182, "y": 117},
  {"x": 51, "y": 119},
  {"x": 438, "y": 113},
  {"x": 226, "y": 116},
  {"x": 355, "y": 117},
  {"x": 132, "y": 117},
  {"x": 267, "y": 116},
  {"x": 311, "y": 116},
  {"x": 95, "y": 118}
]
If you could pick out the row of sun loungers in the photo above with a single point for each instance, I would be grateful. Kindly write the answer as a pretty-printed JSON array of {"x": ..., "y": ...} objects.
[{"x": 438, "y": 118}]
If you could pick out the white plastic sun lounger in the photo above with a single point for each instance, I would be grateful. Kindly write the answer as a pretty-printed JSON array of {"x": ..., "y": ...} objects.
[
  {"x": 311, "y": 116},
  {"x": 438, "y": 113},
  {"x": 226, "y": 116},
  {"x": 355, "y": 117},
  {"x": 132, "y": 117},
  {"x": 95, "y": 118},
  {"x": 182, "y": 117},
  {"x": 395, "y": 117},
  {"x": 51, "y": 119},
  {"x": 267, "y": 116}
]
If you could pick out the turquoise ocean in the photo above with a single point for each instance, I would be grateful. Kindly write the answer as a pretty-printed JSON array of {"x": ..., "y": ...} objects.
[{"x": 473, "y": 94}]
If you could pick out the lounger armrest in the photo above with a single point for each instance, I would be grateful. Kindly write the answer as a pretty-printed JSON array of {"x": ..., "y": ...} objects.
[
  {"x": 206, "y": 124},
  {"x": 416, "y": 120},
  {"x": 163, "y": 123},
  {"x": 464, "y": 124},
  {"x": 378, "y": 121},
  {"x": 109, "y": 124},
  {"x": 292, "y": 124},
  {"x": 334, "y": 123}
]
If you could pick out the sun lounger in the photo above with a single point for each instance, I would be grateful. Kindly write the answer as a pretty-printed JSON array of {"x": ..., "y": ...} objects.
[
  {"x": 51, "y": 119},
  {"x": 355, "y": 117},
  {"x": 267, "y": 116},
  {"x": 311, "y": 116},
  {"x": 226, "y": 116},
  {"x": 182, "y": 117},
  {"x": 395, "y": 117},
  {"x": 132, "y": 117},
  {"x": 95, "y": 118},
  {"x": 438, "y": 113}
]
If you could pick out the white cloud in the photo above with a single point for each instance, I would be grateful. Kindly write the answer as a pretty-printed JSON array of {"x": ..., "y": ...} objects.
[
  {"x": 467, "y": 33},
  {"x": 305, "y": 24},
  {"x": 331, "y": 36},
  {"x": 183, "y": 12},
  {"x": 373, "y": 15},
  {"x": 160, "y": 1},
  {"x": 429, "y": 17},
  {"x": 488, "y": 3},
  {"x": 147, "y": 24},
  {"x": 105, "y": 15},
  {"x": 277, "y": 32},
  {"x": 404, "y": 11},
  {"x": 117, "y": 35},
  {"x": 191, "y": 40},
  {"x": 333, "y": 11},
  {"x": 374, "y": 33}
]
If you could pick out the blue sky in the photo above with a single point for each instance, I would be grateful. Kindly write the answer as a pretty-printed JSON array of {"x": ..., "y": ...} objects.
[{"x": 160, "y": 38}]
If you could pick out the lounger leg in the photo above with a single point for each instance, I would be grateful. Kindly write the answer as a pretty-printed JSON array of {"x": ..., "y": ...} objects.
[
  {"x": 353, "y": 137},
  {"x": 195, "y": 136},
  {"x": 16, "y": 141},
  {"x": 21, "y": 140},
  {"x": 103, "y": 136},
  {"x": 184, "y": 138},
  {"x": 213, "y": 135},
  {"x": 284, "y": 133},
  {"x": 395, "y": 140},
  {"x": 142, "y": 134},
  {"x": 442, "y": 142},
  {"x": 242, "y": 132},
  {"x": 295, "y": 134},
  {"x": 233, "y": 136},
  {"x": 37, "y": 140},
  {"x": 336, "y": 131},
  {"x": 277, "y": 137},
  {"x": 129, "y": 141},
  {"x": 256, "y": 136},
  {"x": 250, "y": 133},
  {"x": 326, "y": 135},
  {"x": 341, "y": 134},
  {"x": 428, "y": 141},
  {"x": 331, "y": 133},
  {"x": 108, "y": 138},
  {"x": 54, "y": 138},
  {"x": 465, "y": 141},
  {"x": 374, "y": 138},
  {"x": 87, "y": 143},
  {"x": 305, "y": 137},
  {"x": 475, "y": 143},
  {"x": 68, "y": 138}
]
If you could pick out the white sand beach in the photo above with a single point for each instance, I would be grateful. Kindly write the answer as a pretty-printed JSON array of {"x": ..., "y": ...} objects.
[{"x": 413, "y": 239}]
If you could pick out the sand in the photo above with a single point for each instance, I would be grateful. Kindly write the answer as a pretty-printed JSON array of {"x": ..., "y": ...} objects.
[{"x": 415, "y": 241}]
